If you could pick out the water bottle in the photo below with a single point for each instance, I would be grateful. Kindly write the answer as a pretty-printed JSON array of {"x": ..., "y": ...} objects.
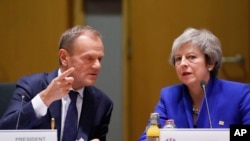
[{"x": 170, "y": 124}]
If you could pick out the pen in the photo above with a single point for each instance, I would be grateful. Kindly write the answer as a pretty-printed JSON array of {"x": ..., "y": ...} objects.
[{"x": 52, "y": 123}]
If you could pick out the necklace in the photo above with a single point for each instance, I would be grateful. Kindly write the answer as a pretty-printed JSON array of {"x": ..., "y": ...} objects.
[
  {"x": 195, "y": 115},
  {"x": 195, "y": 111}
]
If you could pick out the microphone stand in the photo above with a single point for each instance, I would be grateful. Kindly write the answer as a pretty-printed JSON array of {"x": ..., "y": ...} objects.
[
  {"x": 19, "y": 114},
  {"x": 203, "y": 85}
]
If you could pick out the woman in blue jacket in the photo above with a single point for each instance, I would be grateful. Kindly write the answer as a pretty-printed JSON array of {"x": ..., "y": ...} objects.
[{"x": 201, "y": 100}]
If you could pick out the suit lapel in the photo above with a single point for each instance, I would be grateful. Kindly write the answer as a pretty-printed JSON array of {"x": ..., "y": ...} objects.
[
  {"x": 55, "y": 107},
  {"x": 187, "y": 106},
  {"x": 86, "y": 118},
  {"x": 51, "y": 76}
]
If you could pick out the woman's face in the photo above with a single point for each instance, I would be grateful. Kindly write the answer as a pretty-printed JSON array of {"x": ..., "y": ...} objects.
[{"x": 190, "y": 65}]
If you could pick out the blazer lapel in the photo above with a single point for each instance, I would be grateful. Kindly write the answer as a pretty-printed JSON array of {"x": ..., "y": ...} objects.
[
  {"x": 55, "y": 107},
  {"x": 187, "y": 107},
  {"x": 87, "y": 112},
  {"x": 51, "y": 76}
]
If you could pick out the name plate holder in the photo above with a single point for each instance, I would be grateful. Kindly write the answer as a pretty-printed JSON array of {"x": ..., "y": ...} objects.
[
  {"x": 195, "y": 134},
  {"x": 28, "y": 135}
]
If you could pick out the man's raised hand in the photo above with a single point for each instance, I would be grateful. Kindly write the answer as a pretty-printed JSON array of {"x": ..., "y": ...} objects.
[{"x": 58, "y": 88}]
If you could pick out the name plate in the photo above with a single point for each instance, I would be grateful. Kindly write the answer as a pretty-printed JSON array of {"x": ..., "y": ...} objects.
[
  {"x": 194, "y": 134},
  {"x": 28, "y": 135}
]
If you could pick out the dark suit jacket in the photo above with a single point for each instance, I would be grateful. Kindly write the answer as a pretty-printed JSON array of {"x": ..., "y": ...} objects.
[
  {"x": 94, "y": 120},
  {"x": 229, "y": 103}
]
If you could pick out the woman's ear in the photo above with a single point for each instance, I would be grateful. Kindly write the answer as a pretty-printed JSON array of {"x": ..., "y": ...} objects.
[{"x": 210, "y": 67}]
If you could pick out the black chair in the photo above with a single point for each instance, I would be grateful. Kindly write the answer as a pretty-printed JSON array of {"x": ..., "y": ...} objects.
[{"x": 6, "y": 92}]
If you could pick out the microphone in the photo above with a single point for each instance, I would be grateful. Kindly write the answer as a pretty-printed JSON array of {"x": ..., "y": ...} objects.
[
  {"x": 203, "y": 86},
  {"x": 19, "y": 114}
]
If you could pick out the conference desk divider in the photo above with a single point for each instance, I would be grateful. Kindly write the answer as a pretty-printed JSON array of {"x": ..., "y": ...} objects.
[
  {"x": 194, "y": 134},
  {"x": 28, "y": 135}
]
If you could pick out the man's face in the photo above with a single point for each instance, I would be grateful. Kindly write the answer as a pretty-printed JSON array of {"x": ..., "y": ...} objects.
[{"x": 85, "y": 57}]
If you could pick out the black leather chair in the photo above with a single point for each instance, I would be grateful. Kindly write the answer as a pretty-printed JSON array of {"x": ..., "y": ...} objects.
[{"x": 6, "y": 92}]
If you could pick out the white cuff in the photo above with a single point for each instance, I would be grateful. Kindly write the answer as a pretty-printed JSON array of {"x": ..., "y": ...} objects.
[{"x": 39, "y": 106}]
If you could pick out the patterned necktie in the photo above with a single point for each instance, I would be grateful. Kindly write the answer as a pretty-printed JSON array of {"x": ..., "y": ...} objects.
[{"x": 70, "y": 126}]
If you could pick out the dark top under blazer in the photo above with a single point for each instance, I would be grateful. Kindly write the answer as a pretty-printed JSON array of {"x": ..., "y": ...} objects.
[
  {"x": 95, "y": 116},
  {"x": 229, "y": 103}
]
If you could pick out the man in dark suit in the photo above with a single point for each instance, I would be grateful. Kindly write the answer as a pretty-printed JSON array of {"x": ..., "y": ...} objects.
[{"x": 45, "y": 97}]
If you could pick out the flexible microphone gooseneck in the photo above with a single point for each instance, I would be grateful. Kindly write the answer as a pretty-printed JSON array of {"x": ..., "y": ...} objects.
[
  {"x": 19, "y": 114},
  {"x": 203, "y": 86}
]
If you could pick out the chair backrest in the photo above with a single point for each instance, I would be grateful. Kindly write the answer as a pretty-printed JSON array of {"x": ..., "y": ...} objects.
[{"x": 6, "y": 92}]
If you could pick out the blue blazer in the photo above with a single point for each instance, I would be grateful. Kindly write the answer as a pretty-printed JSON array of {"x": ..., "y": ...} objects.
[
  {"x": 94, "y": 120},
  {"x": 228, "y": 102}
]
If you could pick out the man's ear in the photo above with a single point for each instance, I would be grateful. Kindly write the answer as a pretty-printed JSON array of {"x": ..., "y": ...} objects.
[{"x": 63, "y": 56}]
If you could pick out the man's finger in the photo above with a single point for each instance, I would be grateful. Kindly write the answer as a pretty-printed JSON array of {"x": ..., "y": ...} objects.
[{"x": 66, "y": 73}]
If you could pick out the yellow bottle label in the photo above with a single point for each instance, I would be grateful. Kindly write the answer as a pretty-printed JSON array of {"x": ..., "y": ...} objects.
[{"x": 153, "y": 131}]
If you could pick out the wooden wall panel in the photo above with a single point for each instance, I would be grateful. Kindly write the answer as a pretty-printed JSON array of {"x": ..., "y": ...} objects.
[{"x": 29, "y": 34}]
